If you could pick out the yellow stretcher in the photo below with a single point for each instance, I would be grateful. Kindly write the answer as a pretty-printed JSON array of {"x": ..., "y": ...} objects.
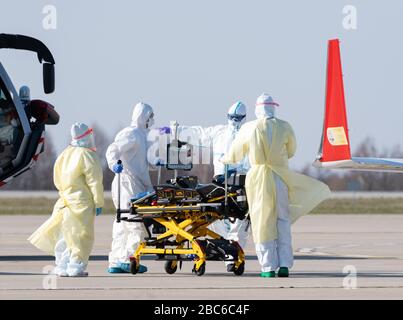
[{"x": 180, "y": 218}]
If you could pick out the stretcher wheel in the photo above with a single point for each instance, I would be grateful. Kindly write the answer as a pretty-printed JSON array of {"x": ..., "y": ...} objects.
[
  {"x": 171, "y": 267},
  {"x": 201, "y": 270},
  {"x": 134, "y": 267},
  {"x": 240, "y": 270}
]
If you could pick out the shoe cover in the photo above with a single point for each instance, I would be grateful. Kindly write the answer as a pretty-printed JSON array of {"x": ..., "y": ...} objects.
[
  {"x": 283, "y": 272},
  {"x": 76, "y": 269},
  {"x": 270, "y": 274},
  {"x": 82, "y": 274},
  {"x": 60, "y": 272},
  {"x": 126, "y": 268},
  {"x": 115, "y": 270}
]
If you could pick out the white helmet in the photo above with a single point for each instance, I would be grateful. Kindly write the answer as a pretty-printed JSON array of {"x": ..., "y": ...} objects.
[
  {"x": 265, "y": 106},
  {"x": 237, "y": 115},
  {"x": 82, "y": 136}
]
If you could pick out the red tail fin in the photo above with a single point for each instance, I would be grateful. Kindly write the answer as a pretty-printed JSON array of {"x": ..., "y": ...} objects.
[{"x": 335, "y": 144}]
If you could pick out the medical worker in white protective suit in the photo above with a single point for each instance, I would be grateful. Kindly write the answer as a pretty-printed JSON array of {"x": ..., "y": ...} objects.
[
  {"x": 25, "y": 95},
  {"x": 277, "y": 197},
  {"x": 130, "y": 146},
  {"x": 220, "y": 138},
  {"x": 69, "y": 233}
]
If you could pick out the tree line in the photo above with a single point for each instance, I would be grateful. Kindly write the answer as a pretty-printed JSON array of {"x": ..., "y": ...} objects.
[{"x": 41, "y": 177}]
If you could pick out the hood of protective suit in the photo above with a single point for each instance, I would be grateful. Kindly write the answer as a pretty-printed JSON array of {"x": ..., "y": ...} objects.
[
  {"x": 236, "y": 115},
  {"x": 143, "y": 116},
  {"x": 265, "y": 107},
  {"x": 82, "y": 136}
]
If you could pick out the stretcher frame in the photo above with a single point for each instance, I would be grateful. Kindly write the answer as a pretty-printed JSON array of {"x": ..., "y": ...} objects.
[{"x": 188, "y": 225}]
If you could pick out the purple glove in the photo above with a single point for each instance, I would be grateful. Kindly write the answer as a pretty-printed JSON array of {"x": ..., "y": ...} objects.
[{"x": 165, "y": 130}]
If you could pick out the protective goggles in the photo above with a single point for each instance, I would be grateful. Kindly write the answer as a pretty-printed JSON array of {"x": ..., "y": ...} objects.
[
  {"x": 236, "y": 117},
  {"x": 86, "y": 133}
]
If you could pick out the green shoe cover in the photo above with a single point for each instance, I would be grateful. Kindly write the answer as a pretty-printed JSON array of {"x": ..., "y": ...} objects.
[
  {"x": 270, "y": 274},
  {"x": 283, "y": 272}
]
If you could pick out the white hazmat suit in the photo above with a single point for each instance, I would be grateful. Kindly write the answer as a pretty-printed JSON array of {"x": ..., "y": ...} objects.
[
  {"x": 130, "y": 146},
  {"x": 220, "y": 138}
]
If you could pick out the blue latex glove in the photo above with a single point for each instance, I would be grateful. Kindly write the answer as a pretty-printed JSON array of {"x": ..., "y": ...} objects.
[
  {"x": 98, "y": 211},
  {"x": 117, "y": 168},
  {"x": 221, "y": 178},
  {"x": 165, "y": 130}
]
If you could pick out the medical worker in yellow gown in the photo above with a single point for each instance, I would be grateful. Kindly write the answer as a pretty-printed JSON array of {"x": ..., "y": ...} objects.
[
  {"x": 69, "y": 233},
  {"x": 277, "y": 197}
]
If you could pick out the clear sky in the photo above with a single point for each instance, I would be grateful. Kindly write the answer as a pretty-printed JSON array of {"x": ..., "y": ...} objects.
[{"x": 192, "y": 59}]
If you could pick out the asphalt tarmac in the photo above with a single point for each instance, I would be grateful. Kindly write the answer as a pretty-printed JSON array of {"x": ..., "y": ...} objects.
[{"x": 336, "y": 257}]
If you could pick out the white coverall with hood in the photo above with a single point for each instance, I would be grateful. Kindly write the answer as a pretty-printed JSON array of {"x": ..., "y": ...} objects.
[
  {"x": 221, "y": 137},
  {"x": 130, "y": 146}
]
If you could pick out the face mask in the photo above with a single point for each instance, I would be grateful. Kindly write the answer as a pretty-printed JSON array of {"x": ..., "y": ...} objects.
[
  {"x": 92, "y": 143},
  {"x": 265, "y": 112},
  {"x": 150, "y": 123},
  {"x": 235, "y": 121}
]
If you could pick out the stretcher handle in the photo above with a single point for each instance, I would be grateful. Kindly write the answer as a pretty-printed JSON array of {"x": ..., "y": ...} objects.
[
  {"x": 159, "y": 176},
  {"x": 175, "y": 125},
  {"x": 226, "y": 184},
  {"x": 118, "y": 211}
]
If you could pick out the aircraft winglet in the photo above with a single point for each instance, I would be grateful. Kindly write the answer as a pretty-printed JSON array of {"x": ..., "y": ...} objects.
[{"x": 335, "y": 144}]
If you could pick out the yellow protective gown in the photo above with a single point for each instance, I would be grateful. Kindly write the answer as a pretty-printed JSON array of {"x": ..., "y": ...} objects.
[
  {"x": 305, "y": 193},
  {"x": 78, "y": 177}
]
